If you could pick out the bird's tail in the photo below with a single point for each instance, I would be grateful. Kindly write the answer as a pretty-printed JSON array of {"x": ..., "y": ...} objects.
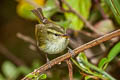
[{"x": 38, "y": 12}]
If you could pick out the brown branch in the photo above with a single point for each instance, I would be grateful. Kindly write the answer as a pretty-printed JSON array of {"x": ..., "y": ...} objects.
[
  {"x": 72, "y": 10},
  {"x": 76, "y": 51},
  {"x": 70, "y": 68},
  {"x": 4, "y": 51},
  {"x": 89, "y": 34}
]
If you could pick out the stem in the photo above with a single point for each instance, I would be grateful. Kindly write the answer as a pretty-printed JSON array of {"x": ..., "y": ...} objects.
[
  {"x": 89, "y": 72},
  {"x": 70, "y": 68},
  {"x": 98, "y": 70}
]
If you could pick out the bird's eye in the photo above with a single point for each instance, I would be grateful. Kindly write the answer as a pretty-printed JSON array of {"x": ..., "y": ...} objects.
[{"x": 56, "y": 34}]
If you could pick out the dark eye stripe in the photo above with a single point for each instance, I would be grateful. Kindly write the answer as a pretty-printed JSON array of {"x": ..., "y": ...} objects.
[{"x": 57, "y": 35}]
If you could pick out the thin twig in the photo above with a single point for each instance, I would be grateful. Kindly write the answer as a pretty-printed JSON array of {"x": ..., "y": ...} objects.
[
  {"x": 72, "y": 10},
  {"x": 70, "y": 68},
  {"x": 4, "y": 51},
  {"x": 76, "y": 51},
  {"x": 59, "y": 5},
  {"x": 83, "y": 19},
  {"x": 100, "y": 9},
  {"x": 88, "y": 34},
  {"x": 25, "y": 38},
  {"x": 31, "y": 41}
]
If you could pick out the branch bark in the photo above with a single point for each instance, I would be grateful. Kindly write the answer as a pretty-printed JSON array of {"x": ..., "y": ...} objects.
[
  {"x": 76, "y": 51},
  {"x": 70, "y": 68}
]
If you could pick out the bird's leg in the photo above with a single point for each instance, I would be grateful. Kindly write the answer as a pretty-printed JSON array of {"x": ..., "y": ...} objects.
[
  {"x": 71, "y": 51},
  {"x": 48, "y": 61}
]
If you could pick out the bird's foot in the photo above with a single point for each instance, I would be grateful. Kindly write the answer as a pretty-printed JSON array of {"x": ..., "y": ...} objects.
[
  {"x": 71, "y": 52},
  {"x": 48, "y": 61},
  {"x": 49, "y": 65}
]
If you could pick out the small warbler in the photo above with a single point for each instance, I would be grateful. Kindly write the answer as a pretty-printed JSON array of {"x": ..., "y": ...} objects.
[{"x": 51, "y": 38}]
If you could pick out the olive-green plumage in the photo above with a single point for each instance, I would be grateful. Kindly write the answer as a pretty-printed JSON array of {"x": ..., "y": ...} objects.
[{"x": 51, "y": 38}]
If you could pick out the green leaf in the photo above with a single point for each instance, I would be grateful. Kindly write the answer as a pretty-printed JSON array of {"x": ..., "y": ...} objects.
[
  {"x": 31, "y": 76},
  {"x": 115, "y": 7},
  {"x": 81, "y": 6},
  {"x": 111, "y": 55},
  {"x": 36, "y": 76},
  {"x": 10, "y": 70},
  {"x": 50, "y": 8},
  {"x": 64, "y": 24},
  {"x": 43, "y": 76},
  {"x": 87, "y": 77},
  {"x": 24, "y": 10},
  {"x": 81, "y": 58},
  {"x": 114, "y": 52},
  {"x": 103, "y": 62}
]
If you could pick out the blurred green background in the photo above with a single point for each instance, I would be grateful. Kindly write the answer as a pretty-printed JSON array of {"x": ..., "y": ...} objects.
[{"x": 17, "y": 58}]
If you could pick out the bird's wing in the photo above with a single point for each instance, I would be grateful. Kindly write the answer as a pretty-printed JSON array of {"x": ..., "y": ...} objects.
[{"x": 41, "y": 34}]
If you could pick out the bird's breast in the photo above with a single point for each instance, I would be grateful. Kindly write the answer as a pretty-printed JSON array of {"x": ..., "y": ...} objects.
[{"x": 55, "y": 47}]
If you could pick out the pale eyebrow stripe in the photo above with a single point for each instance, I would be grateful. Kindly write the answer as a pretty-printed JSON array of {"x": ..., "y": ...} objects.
[
  {"x": 57, "y": 29},
  {"x": 53, "y": 31}
]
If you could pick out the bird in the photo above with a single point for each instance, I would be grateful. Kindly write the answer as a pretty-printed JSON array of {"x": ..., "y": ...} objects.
[{"x": 51, "y": 38}]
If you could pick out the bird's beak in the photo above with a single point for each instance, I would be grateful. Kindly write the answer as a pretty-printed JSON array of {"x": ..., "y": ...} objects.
[{"x": 66, "y": 36}]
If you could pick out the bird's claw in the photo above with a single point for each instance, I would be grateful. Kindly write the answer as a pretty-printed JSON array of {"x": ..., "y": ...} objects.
[
  {"x": 71, "y": 52},
  {"x": 48, "y": 61}
]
